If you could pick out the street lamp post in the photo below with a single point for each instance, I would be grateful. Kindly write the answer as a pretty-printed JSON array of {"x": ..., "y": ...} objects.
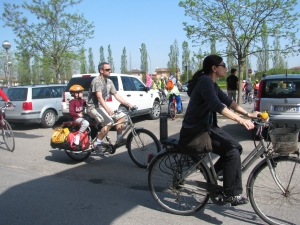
[
  {"x": 8, "y": 72},
  {"x": 6, "y": 45},
  {"x": 149, "y": 59}
]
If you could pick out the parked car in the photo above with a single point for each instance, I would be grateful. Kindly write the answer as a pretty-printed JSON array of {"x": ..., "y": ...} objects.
[
  {"x": 279, "y": 95},
  {"x": 35, "y": 104},
  {"x": 128, "y": 86}
]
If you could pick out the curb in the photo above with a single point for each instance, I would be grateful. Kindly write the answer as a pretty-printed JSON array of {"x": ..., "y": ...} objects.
[{"x": 218, "y": 116}]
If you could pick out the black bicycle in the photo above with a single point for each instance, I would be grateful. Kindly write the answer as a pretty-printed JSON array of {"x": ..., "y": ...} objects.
[
  {"x": 7, "y": 133},
  {"x": 183, "y": 184}
]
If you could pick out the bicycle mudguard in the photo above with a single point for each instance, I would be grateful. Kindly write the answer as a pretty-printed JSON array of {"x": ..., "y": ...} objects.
[{"x": 164, "y": 151}]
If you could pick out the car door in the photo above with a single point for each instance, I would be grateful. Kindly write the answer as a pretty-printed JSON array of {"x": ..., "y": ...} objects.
[
  {"x": 145, "y": 96},
  {"x": 130, "y": 93}
]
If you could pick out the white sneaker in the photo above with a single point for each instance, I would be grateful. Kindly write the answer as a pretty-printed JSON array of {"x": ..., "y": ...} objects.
[
  {"x": 76, "y": 139},
  {"x": 98, "y": 149}
]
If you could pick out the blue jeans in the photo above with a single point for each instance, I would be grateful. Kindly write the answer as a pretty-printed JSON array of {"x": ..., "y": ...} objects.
[{"x": 178, "y": 102}]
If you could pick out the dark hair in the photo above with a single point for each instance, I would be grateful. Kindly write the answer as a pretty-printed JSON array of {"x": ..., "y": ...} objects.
[
  {"x": 233, "y": 70},
  {"x": 208, "y": 62},
  {"x": 101, "y": 65}
]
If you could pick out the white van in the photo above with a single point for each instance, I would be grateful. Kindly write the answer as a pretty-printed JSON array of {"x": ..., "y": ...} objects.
[{"x": 129, "y": 87}]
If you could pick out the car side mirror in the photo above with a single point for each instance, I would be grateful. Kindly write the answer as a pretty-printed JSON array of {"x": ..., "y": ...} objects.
[{"x": 147, "y": 89}]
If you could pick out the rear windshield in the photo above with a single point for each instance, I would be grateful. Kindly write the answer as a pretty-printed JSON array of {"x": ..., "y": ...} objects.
[
  {"x": 85, "y": 82},
  {"x": 17, "y": 94},
  {"x": 281, "y": 88}
]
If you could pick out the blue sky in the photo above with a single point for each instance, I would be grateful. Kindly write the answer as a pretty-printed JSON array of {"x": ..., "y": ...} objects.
[{"x": 121, "y": 23}]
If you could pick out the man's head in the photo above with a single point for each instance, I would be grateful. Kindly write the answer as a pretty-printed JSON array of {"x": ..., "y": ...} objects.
[
  {"x": 171, "y": 74},
  {"x": 233, "y": 71},
  {"x": 104, "y": 69}
]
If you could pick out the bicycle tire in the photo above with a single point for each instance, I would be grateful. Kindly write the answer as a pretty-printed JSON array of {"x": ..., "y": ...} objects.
[
  {"x": 8, "y": 136},
  {"x": 140, "y": 146},
  {"x": 267, "y": 200},
  {"x": 172, "y": 108},
  {"x": 78, "y": 156},
  {"x": 250, "y": 99},
  {"x": 165, "y": 172}
]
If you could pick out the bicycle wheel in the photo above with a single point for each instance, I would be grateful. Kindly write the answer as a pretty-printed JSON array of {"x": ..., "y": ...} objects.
[
  {"x": 172, "y": 108},
  {"x": 141, "y": 145},
  {"x": 267, "y": 200},
  {"x": 78, "y": 156},
  {"x": 8, "y": 136},
  {"x": 250, "y": 99},
  {"x": 170, "y": 191}
]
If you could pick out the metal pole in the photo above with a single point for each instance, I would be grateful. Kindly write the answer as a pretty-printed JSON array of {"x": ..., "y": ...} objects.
[{"x": 7, "y": 72}]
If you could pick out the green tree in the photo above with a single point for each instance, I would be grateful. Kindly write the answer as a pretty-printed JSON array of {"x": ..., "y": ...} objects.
[
  {"x": 24, "y": 67},
  {"x": 83, "y": 64},
  {"x": 240, "y": 24},
  {"x": 278, "y": 61},
  {"x": 173, "y": 58},
  {"x": 102, "y": 57},
  {"x": 144, "y": 61},
  {"x": 186, "y": 62},
  {"x": 231, "y": 61},
  {"x": 91, "y": 62},
  {"x": 35, "y": 70},
  {"x": 52, "y": 32},
  {"x": 110, "y": 60},
  {"x": 123, "y": 68}
]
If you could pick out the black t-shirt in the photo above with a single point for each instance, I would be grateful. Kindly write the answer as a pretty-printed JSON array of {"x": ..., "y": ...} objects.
[{"x": 231, "y": 81}]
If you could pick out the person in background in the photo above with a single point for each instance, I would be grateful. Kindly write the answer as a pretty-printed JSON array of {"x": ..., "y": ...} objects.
[
  {"x": 162, "y": 86},
  {"x": 174, "y": 91},
  {"x": 248, "y": 88},
  {"x": 255, "y": 87},
  {"x": 148, "y": 80},
  {"x": 100, "y": 89},
  {"x": 207, "y": 99},
  {"x": 232, "y": 84},
  {"x": 77, "y": 107}
]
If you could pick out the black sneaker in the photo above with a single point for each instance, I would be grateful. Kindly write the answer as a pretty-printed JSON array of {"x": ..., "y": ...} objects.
[{"x": 235, "y": 200}]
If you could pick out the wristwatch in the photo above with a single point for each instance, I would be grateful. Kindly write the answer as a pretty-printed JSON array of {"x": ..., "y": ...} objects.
[{"x": 247, "y": 114}]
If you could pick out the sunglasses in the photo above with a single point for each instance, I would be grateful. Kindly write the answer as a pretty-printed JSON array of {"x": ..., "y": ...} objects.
[
  {"x": 223, "y": 65},
  {"x": 107, "y": 69}
]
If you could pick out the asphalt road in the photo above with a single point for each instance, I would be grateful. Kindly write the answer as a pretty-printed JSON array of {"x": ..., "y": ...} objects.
[{"x": 40, "y": 185}]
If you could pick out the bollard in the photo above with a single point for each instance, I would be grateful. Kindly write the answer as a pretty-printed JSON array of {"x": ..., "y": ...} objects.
[{"x": 163, "y": 127}]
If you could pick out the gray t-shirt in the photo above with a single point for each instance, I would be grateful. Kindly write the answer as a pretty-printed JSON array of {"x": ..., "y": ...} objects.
[{"x": 98, "y": 84}]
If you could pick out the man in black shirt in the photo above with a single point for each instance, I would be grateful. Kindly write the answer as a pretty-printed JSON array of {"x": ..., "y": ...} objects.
[{"x": 232, "y": 84}]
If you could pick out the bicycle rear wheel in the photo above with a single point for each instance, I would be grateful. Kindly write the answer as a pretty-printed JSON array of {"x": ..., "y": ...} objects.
[
  {"x": 171, "y": 187},
  {"x": 172, "y": 108},
  {"x": 250, "y": 99},
  {"x": 8, "y": 136},
  {"x": 267, "y": 200},
  {"x": 141, "y": 145}
]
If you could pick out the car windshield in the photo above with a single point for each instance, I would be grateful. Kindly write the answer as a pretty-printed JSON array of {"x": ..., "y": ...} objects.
[
  {"x": 281, "y": 88},
  {"x": 17, "y": 94}
]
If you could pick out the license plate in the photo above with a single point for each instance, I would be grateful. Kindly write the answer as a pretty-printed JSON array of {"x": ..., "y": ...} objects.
[{"x": 286, "y": 109}]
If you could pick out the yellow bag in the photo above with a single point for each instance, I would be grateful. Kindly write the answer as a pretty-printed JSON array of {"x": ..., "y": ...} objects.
[{"x": 59, "y": 135}]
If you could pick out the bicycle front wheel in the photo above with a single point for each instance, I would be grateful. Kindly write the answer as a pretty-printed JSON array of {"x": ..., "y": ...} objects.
[
  {"x": 172, "y": 108},
  {"x": 269, "y": 202},
  {"x": 173, "y": 183},
  {"x": 140, "y": 144},
  {"x": 8, "y": 136}
]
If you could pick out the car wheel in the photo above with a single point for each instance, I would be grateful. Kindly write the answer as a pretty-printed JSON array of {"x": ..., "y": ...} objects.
[
  {"x": 155, "y": 111},
  {"x": 48, "y": 119}
]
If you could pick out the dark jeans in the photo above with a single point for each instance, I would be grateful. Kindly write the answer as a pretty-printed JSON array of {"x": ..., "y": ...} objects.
[{"x": 229, "y": 151}]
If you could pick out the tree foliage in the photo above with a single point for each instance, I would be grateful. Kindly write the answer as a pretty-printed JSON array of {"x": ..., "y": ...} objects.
[
  {"x": 52, "y": 33},
  {"x": 239, "y": 23},
  {"x": 144, "y": 61},
  {"x": 110, "y": 59},
  {"x": 173, "y": 62},
  {"x": 102, "y": 56},
  {"x": 83, "y": 64},
  {"x": 91, "y": 62},
  {"x": 123, "y": 68}
]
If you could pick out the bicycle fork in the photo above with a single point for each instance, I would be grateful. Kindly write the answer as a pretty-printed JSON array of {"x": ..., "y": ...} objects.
[{"x": 272, "y": 168}]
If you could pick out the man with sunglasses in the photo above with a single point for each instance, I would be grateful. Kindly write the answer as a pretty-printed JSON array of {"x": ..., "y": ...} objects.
[{"x": 100, "y": 89}]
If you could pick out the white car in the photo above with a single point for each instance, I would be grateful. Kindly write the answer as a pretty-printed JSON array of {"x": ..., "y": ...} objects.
[{"x": 129, "y": 87}]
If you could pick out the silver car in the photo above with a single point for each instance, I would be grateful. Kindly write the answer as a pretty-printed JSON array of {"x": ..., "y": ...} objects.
[
  {"x": 279, "y": 95},
  {"x": 35, "y": 104}
]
